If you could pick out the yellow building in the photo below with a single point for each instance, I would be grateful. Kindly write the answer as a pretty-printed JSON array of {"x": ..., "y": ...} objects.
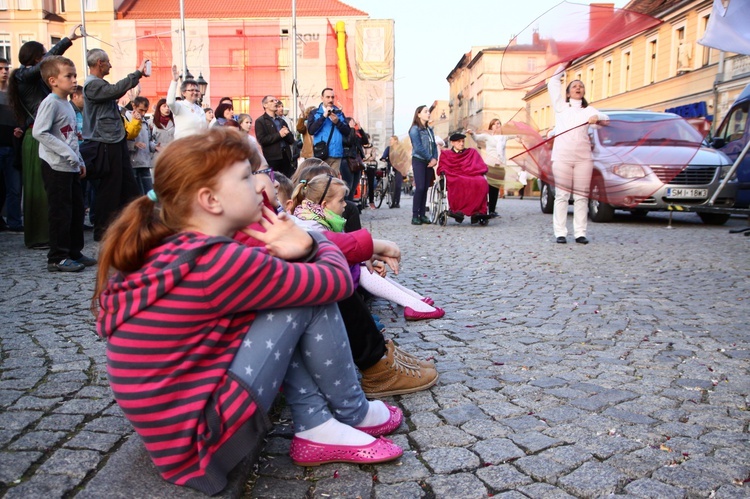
[
  {"x": 48, "y": 21},
  {"x": 662, "y": 69}
]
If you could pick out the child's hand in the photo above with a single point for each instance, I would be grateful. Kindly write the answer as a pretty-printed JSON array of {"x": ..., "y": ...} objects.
[
  {"x": 380, "y": 268},
  {"x": 388, "y": 252},
  {"x": 282, "y": 237}
]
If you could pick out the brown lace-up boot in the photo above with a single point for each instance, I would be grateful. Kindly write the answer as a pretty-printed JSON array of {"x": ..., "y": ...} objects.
[
  {"x": 407, "y": 358},
  {"x": 391, "y": 376}
]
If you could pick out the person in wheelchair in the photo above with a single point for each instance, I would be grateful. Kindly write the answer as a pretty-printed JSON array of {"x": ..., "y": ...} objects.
[{"x": 464, "y": 172}]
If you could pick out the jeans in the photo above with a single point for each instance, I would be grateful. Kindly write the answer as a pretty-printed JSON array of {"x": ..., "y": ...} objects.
[
  {"x": 421, "y": 171},
  {"x": 143, "y": 179},
  {"x": 398, "y": 182},
  {"x": 12, "y": 178}
]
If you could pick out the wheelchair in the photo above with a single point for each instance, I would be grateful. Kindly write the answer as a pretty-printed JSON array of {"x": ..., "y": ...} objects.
[{"x": 439, "y": 209}]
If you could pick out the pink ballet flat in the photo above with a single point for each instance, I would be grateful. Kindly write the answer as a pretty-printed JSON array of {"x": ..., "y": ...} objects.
[
  {"x": 306, "y": 453},
  {"x": 412, "y": 315},
  {"x": 428, "y": 300},
  {"x": 394, "y": 421}
]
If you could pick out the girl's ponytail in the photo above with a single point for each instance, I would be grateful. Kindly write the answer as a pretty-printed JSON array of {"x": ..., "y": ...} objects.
[
  {"x": 299, "y": 193},
  {"x": 128, "y": 240}
]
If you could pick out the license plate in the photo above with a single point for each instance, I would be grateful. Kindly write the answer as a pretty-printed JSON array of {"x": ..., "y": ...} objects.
[{"x": 687, "y": 193}]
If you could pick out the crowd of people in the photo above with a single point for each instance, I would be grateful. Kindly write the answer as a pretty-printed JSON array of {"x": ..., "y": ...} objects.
[{"x": 232, "y": 263}]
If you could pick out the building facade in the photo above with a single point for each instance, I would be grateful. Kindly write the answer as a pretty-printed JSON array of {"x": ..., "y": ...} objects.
[{"x": 243, "y": 49}]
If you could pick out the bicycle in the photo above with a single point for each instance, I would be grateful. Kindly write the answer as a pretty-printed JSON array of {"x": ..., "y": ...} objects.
[{"x": 385, "y": 186}]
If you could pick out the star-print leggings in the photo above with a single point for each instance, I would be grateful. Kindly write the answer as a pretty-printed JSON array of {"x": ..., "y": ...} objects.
[{"x": 307, "y": 350}]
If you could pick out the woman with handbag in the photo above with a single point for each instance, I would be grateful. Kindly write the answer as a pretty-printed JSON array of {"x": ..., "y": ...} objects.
[
  {"x": 351, "y": 169},
  {"x": 424, "y": 157}
]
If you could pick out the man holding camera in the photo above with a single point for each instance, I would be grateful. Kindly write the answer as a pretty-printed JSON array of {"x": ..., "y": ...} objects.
[{"x": 328, "y": 127}]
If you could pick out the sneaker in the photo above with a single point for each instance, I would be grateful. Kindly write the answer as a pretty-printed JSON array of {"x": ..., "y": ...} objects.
[
  {"x": 66, "y": 265},
  {"x": 561, "y": 240},
  {"x": 86, "y": 261},
  {"x": 416, "y": 221},
  {"x": 425, "y": 220},
  {"x": 407, "y": 358},
  {"x": 582, "y": 240},
  {"x": 391, "y": 376},
  {"x": 372, "y": 206}
]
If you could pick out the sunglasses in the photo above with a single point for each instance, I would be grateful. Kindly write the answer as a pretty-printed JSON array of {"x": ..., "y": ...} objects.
[{"x": 267, "y": 171}]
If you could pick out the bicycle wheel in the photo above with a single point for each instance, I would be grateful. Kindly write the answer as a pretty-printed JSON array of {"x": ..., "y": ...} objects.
[
  {"x": 390, "y": 192},
  {"x": 379, "y": 193},
  {"x": 363, "y": 195}
]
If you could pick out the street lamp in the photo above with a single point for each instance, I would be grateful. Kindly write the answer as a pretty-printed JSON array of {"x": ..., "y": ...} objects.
[
  {"x": 202, "y": 84},
  {"x": 188, "y": 74}
]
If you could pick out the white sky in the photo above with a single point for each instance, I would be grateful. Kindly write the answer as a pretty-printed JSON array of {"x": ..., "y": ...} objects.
[{"x": 432, "y": 35}]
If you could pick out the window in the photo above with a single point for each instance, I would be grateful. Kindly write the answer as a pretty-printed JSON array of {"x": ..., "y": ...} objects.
[
  {"x": 651, "y": 61},
  {"x": 62, "y": 6},
  {"x": 531, "y": 64},
  {"x": 734, "y": 128},
  {"x": 682, "y": 51},
  {"x": 89, "y": 5},
  {"x": 54, "y": 40},
  {"x": 706, "y": 51},
  {"x": 5, "y": 47},
  {"x": 24, "y": 4},
  {"x": 26, "y": 37},
  {"x": 625, "y": 79},
  {"x": 3, "y": 4},
  {"x": 607, "y": 87},
  {"x": 590, "y": 83}
]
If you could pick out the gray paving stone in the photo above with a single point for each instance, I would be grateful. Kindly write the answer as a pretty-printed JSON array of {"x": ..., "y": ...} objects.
[
  {"x": 46, "y": 486},
  {"x": 592, "y": 480},
  {"x": 464, "y": 485},
  {"x": 628, "y": 417},
  {"x": 348, "y": 482},
  {"x": 533, "y": 442},
  {"x": 695, "y": 485},
  {"x": 83, "y": 406},
  {"x": 544, "y": 491},
  {"x": 651, "y": 489},
  {"x": 497, "y": 450},
  {"x": 485, "y": 428},
  {"x": 503, "y": 477},
  {"x": 267, "y": 487},
  {"x": 63, "y": 422},
  {"x": 541, "y": 468},
  {"x": 13, "y": 465},
  {"x": 641, "y": 462},
  {"x": 450, "y": 460},
  {"x": 526, "y": 423},
  {"x": 37, "y": 440},
  {"x": 101, "y": 442},
  {"x": 459, "y": 415},
  {"x": 407, "y": 468},
  {"x": 405, "y": 490},
  {"x": 73, "y": 463},
  {"x": 605, "y": 446},
  {"x": 423, "y": 420},
  {"x": 568, "y": 455},
  {"x": 445, "y": 436}
]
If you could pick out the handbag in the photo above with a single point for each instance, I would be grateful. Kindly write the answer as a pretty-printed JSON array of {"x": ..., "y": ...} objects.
[
  {"x": 320, "y": 149},
  {"x": 94, "y": 155},
  {"x": 356, "y": 164}
]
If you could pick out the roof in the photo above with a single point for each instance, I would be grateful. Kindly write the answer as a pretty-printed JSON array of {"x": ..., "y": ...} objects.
[
  {"x": 652, "y": 7},
  {"x": 234, "y": 9}
]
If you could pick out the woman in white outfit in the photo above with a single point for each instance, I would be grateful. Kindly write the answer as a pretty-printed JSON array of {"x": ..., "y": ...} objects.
[
  {"x": 494, "y": 157},
  {"x": 572, "y": 164},
  {"x": 189, "y": 117}
]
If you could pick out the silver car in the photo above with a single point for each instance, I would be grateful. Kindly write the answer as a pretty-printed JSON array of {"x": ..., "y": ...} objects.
[
  {"x": 640, "y": 174},
  {"x": 639, "y": 167}
]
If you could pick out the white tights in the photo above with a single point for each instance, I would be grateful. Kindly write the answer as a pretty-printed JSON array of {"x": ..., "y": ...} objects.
[{"x": 392, "y": 291}]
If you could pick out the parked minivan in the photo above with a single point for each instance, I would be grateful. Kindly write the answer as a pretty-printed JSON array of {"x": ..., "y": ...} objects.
[{"x": 730, "y": 138}]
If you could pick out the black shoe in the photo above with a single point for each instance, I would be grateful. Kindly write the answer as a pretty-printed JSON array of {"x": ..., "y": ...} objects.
[
  {"x": 582, "y": 240},
  {"x": 493, "y": 214},
  {"x": 561, "y": 240},
  {"x": 457, "y": 215},
  {"x": 425, "y": 220},
  {"x": 86, "y": 261},
  {"x": 66, "y": 265},
  {"x": 416, "y": 221}
]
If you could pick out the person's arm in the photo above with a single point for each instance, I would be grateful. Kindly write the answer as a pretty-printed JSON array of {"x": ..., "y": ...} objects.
[
  {"x": 554, "y": 87},
  {"x": 385, "y": 157},
  {"x": 42, "y": 132},
  {"x": 416, "y": 144},
  {"x": 301, "y": 125},
  {"x": 266, "y": 135},
  {"x": 98, "y": 90},
  {"x": 172, "y": 98},
  {"x": 313, "y": 124}
]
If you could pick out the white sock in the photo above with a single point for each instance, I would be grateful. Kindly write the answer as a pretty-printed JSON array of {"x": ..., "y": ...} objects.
[
  {"x": 333, "y": 432},
  {"x": 377, "y": 414}
]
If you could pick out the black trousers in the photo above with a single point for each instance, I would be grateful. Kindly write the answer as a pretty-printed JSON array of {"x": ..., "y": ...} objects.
[
  {"x": 494, "y": 193},
  {"x": 367, "y": 343},
  {"x": 283, "y": 165},
  {"x": 116, "y": 189},
  {"x": 65, "y": 205}
]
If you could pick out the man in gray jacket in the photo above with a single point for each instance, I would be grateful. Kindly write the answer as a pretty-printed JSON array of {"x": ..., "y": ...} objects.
[{"x": 103, "y": 130}]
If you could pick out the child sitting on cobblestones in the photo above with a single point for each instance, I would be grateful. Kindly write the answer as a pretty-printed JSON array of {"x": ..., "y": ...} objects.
[
  {"x": 190, "y": 366},
  {"x": 321, "y": 201}
]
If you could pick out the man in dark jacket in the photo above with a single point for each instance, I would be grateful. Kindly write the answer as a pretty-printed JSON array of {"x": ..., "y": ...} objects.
[
  {"x": 104, "y": 129},
  {"x": 275, "y": 137}
]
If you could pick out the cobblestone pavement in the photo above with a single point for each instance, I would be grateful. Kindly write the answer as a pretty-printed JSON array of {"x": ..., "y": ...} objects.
[{"x": 621, "y": 367}]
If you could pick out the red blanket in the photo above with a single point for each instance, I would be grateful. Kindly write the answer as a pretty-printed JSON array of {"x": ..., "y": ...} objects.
[{"x": 467, "y": 187}]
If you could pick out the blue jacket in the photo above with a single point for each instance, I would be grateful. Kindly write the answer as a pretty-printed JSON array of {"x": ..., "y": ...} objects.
[
  {"x": 423, "y": 144},
  {"x": 319, "y": 127}
]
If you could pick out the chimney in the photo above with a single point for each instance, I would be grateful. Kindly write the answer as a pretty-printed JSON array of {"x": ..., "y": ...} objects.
[{"x": 600, "y": 14}]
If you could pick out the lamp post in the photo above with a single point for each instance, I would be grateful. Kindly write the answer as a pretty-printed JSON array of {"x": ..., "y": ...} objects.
[{"x": 202, "y": 86}]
